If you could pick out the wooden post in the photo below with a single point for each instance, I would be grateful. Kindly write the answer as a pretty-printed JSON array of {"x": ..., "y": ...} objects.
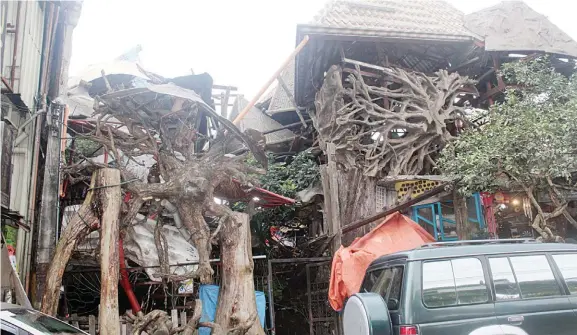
[
  {"x": 110, "y": 200},
  {"x": 236, "y": 298},
  {"x": 464, "y": 229},
  {"x": 92, "y": 325},
  {"x": 335, "y": 222},
  {"x": 183, "y": 318},
  {"x": 174, "y": 318}
]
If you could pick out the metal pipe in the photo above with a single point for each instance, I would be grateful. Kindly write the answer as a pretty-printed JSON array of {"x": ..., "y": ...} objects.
[
  {"x": 251, "y": 104},
  {"x": 32, "y": 200},
  {"x": 124, "y": 282},
  {"x": 15, "y": 51},
  {"x": 4, "y": 5},
  {"x": 270, "y": 298}
]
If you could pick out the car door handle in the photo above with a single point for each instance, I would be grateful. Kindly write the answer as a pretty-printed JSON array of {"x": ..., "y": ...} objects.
[{"x": 516, "y": 319}]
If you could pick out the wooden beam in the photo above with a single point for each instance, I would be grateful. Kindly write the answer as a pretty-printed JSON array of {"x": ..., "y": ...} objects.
[
  {"x": 225, "y": 87},
  {"x": 286, "y": 127},
  {"x": 469, "y": 62},
  {"x": 263, "y": 89},
  {"x": 394, "y": 209},
  {"x": 394, "y": 179}
]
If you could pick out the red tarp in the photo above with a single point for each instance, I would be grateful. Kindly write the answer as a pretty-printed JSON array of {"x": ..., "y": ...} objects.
[{"x": 396, "y": 233}]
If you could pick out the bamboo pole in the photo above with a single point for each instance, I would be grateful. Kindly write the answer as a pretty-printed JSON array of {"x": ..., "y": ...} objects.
[{"x": 271, "y": 80}]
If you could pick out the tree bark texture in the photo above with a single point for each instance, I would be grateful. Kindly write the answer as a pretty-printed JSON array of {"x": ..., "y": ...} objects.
[
  {"x": 81, "y": 224},
  {"x": 395, "y": 128},
  {"x": 464, "y": 228},
  {"x": 110, "y": 201},
  {"x": 236, "y": 300}
]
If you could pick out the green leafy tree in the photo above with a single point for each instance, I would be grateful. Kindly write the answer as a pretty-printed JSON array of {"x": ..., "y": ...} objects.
[
  {"x": 529, "y": 144},
  {"x": 286, "y": 179}
]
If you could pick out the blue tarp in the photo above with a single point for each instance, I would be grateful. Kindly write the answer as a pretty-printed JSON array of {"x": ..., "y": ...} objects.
[{"x": 208, "y": 294}]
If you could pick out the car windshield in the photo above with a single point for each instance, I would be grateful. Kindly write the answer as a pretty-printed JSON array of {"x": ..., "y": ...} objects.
[{"x": 40, "y": 322}]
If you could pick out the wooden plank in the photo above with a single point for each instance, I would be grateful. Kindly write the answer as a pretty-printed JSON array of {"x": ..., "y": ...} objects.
[
  {"x": 123, "y": 328},
  {"x": 400, "y": 207},
  {"x": 74, "y": 319},
  {"x": 224, "y": 103},
  {"x": 394, "y": 179},
  {"x": 327, "y": 215},
  {"x": 336, "y": 223},
  {"x": 92, "y": 325}
]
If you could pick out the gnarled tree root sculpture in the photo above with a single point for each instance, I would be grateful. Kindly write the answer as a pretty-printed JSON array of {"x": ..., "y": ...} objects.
[{"x": 395, "y": 128}]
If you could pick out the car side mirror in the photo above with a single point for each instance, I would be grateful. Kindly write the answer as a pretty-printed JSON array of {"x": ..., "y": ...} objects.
[{"x": 367, "y": 314}]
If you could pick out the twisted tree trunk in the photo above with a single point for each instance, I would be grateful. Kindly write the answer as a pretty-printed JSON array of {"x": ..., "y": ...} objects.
[{"x": 81, "y": 224}]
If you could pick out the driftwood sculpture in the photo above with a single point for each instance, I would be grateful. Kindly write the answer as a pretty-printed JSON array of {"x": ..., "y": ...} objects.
[
  {"x": 189, "y": 143},
  {"x": 394, "y": 126}
]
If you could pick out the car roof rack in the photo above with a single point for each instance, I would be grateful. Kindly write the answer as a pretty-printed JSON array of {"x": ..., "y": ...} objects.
[{"x": 478, "y": 242}]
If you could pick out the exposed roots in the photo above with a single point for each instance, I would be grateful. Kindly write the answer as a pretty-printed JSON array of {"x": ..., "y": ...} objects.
[{"x": 396, "y": 128}]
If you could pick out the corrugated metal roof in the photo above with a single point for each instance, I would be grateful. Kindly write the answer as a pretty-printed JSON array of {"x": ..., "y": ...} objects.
[
  {"x": 514, "y": 26},
  {"x": 426, "y": 19}
]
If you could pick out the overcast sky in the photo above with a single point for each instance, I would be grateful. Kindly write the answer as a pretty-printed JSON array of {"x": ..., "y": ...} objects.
[{"x": 239, "y": 43}]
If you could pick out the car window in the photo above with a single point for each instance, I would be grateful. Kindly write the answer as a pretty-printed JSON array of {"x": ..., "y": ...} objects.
[
  {"x": 454, "y": 282},
  {"x": 388, "y": 284},
  {"x": 567, "y": 264},
  {"x": 371, "y": 279},
  {"x": 44, "y": 324},
  {"x": 523, "y": 276},
  {"x": 506, "y": 287}
]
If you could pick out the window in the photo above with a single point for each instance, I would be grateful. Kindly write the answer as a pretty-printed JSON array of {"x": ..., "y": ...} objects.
[
  {"x": 503, "y": 279},
  {"x": 567, "y": 264},
  {"x": 454, "y": 282},
  {"x": 523, "y": 276},
  {"x": 387, "y": 283}
]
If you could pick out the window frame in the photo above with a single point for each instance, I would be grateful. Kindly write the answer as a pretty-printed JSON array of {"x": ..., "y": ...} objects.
[
  {"x": 383, "y": 267},
  {"x": 552, "y": 266},
  {"x": 557, "y": 271},
  {"x": 486, "y": 277}
]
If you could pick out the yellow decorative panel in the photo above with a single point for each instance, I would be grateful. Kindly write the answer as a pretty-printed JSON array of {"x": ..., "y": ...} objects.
[{"x": 418, "y": 187}]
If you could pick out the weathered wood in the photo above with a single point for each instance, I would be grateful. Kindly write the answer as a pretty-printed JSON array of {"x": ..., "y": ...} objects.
[
  {"x": 80, "y": 225},
  {"x": 236, "y": 300},
  {"x": 92, "y": 325},
  {"x": 464, "y": 228},
  {"x": 110, "y": 202},
  {"x": 394, "y": 209},
  {"x": 174, "y": 318},
  {"x": 183, "y": 319},
  {"x": 74, "y": 322},
  {"x": 395, "y": 179},
  {"x": 335, "y": 222}
]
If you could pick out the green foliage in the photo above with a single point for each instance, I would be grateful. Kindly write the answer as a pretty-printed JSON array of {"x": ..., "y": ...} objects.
[
  {"x": 530, "y": 137},
  {"x": 285, "y": 179}
]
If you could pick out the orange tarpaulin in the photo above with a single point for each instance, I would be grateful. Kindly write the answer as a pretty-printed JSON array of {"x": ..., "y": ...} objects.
[{"x": 396, "y": 233}]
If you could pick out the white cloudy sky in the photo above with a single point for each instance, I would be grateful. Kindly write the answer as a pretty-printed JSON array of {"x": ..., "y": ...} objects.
[{"x": 239, "y": 43}]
